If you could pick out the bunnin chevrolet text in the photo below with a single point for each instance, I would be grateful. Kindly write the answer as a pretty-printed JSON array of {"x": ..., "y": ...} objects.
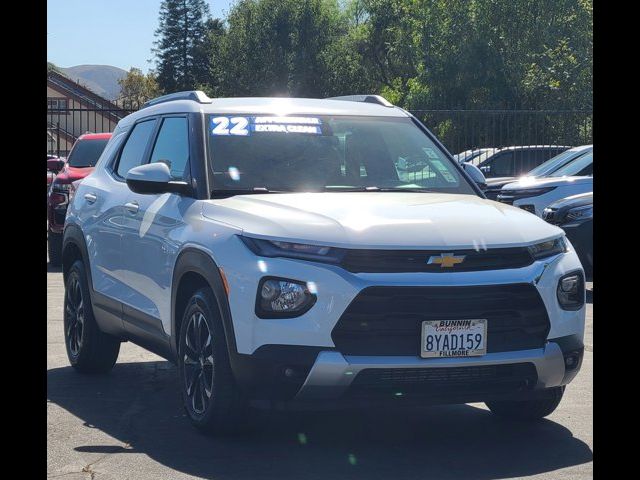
[{"x": 314, "y": 252}]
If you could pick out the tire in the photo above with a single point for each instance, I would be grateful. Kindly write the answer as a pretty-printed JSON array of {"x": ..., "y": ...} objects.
[
  {"x": 534, "y": 409},
  {"x": 88, "y": 348},
  {"x": 211, "y": 398},
  {"x": 54, "y": 246}
]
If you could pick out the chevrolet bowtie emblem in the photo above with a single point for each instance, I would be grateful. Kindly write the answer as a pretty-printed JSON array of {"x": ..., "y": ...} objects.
[{"x": 446, "y": 260}]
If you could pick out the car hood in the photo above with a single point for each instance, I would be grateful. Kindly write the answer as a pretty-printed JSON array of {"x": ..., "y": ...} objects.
[
  {"x": 532, "y": 182},
  {"x": 381, "y": 220}
]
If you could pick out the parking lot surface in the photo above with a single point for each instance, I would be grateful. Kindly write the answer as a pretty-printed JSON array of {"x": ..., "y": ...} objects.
[{"x": 129, "y": 424}]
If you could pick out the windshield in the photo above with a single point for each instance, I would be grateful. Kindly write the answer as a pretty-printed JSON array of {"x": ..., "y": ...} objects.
[
  {"x": 324, "y": 153},
  {"x": 583, "y": 165},
  {"x": 556, "y": 162},
  {"x": 85, "y": 153}
]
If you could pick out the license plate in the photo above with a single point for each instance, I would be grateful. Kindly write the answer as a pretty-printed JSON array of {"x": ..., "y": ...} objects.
[{"x": 453, "y": 338}]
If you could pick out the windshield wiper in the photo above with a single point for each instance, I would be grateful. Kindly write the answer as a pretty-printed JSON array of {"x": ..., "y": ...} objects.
[
  {"x": 401, "y": 189},
  {"x": 230, "y": 192},
  {"x": 374, "y": 188}
]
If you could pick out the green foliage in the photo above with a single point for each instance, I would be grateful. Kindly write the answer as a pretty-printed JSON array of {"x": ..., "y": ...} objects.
[
  {"x": 420, "y": 54},
  {"x": 136, "y": 88}
]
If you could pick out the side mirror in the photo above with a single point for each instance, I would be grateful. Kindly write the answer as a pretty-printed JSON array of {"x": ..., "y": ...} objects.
[
  {"x": 476, "y": 174},
  {"x": 154, "y": 178},
  {"x": 55, "y": 164}
]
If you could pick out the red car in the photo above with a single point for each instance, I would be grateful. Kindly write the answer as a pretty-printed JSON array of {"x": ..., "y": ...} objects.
[{"x": 80, "y": 163}]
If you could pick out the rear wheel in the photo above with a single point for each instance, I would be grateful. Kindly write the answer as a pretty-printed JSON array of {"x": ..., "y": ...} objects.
[
  {"x": 88, "y": 348},
  {"x": 209, "y": 392},
  {"x": 54, "y": 247},
  {"x": 533, "y": 409}
]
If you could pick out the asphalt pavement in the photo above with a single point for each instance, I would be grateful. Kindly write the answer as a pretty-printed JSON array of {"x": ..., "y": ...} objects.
[{"x": 129, "y": 424}]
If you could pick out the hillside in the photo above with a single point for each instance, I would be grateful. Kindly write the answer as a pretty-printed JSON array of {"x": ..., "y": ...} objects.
[{"x": 101, "y": 79}]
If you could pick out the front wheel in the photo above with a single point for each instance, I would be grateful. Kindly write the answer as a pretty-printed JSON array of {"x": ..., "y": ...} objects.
[
  {"x": 210, "y": 396},
  {"x": 533, "y": 409}
]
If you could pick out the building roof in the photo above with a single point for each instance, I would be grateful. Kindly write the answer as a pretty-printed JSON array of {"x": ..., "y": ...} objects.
[{"x": 83, "y": 95}]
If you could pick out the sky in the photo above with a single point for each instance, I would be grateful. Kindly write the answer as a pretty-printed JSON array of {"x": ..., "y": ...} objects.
[{"x": 107, "y": 32}]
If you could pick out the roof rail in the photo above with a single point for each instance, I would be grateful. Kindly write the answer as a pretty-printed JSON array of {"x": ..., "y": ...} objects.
[
  {"x": 364, "y": 98},
  {"x": 195, "y": 95}
]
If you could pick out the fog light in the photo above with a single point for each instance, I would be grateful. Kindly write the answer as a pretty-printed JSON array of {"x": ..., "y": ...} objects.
[
  {"x": 569, "y": 284},
  {"x": 571, "y": 292},
  {"x": 572, "y": 360},
  {"x": 283, "y": 298}
]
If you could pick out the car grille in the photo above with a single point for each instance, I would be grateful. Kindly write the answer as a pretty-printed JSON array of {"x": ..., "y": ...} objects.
[
  {"x": 385, "y": 261},
  {"x": 388, "y": 320},
  {"x": 444, "y": 381}
]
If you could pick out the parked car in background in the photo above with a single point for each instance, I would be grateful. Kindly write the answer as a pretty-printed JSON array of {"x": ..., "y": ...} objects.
[
  {"x": 54, "y": 165},
  {"x": 517, "y": 160},
  {"x": 494, "y": 185},
  {"x": 574, "y": 215},
  {"x": 475, "y": 156},
  {"x": 80, "y": 163},
  {"x": 535, "y": 194}
]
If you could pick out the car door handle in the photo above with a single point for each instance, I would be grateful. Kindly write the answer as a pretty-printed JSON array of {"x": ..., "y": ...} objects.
[
  {"x": 133, "y": 207},
  {"x": 90, "y": 197}
]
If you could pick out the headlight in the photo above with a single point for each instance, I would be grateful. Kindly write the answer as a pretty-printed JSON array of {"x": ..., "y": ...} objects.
[
  {"x": 283, "y": 298},
  {"x": 570, "y": 291},
  {"x": 548, "y": 248},
  {"x": 302, "y": 251},
  {"x": 580, "y": 213}
]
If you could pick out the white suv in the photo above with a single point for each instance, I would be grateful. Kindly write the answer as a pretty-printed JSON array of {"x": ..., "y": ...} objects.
[{"x": 304, "y": 250}]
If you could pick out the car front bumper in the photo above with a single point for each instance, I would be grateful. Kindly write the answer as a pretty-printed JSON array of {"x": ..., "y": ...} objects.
[
  {"x": 302, "y": 376},
  {"x": 299, "y": 358},
  {"x": 333, "y": 373}
]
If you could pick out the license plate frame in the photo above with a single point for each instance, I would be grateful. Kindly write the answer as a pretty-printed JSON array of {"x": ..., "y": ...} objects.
[{"x": 450, "y": 329}]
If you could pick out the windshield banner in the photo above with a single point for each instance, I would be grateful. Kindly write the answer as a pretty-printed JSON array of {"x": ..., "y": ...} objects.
[{"x": 244, "y": 126}]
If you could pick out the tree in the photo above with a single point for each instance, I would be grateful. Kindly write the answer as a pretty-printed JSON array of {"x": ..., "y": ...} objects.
[
  {"x": 276, "y": 47},
  {"x": 136, "y": 88},
  {"x": 213, "y": 47},
  {"x": 180, "y": 51},
  {"x": 420, "y": 54}
]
